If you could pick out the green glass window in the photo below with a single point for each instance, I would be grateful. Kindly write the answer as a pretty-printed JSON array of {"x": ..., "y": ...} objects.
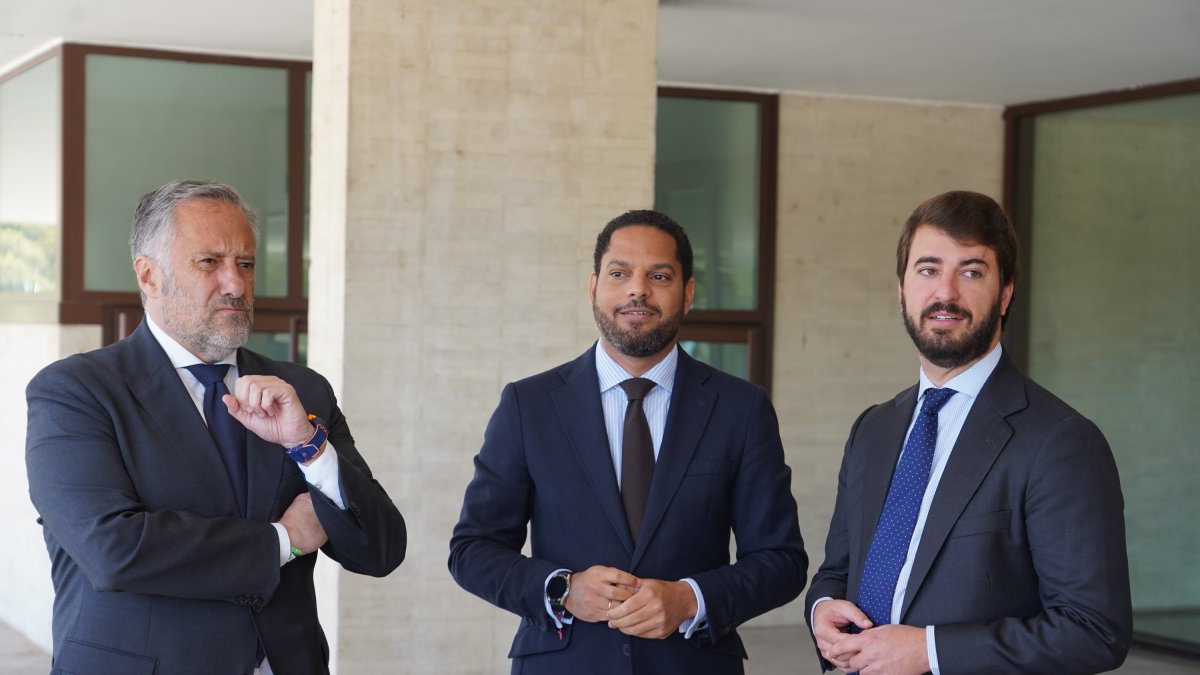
[
  {"x": 706, "y": 177},
  {"x": 714, "y": 173},
  {"x": 278, "y": 345},
  {"x": 731, "y": 357},
  {"x": 1113, "y": 320},
  {"x": 153, "y": 120},
  {"x": 30, "y": 223}
]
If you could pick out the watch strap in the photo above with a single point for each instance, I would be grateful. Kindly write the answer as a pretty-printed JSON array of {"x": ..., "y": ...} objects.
[{"x": 309, "y": 449}]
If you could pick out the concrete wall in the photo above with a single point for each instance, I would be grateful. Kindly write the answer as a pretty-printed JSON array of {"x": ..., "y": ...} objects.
[
  {"x": 465, "y": 156},
  {"x": 26, "y": 594},
  {"x": 851, "y": 170}
]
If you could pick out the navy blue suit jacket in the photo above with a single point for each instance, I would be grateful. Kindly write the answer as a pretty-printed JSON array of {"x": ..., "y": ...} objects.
[
  {"x": 1022, "y": 565},
  {"x": 545, "y": 464},
  {"x": 154, "y": 568}
]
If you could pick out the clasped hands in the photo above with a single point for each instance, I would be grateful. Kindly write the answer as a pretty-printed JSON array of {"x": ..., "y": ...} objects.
[
  {"x": 891, "y": 649},
  {"x": 648, "y": 608}
]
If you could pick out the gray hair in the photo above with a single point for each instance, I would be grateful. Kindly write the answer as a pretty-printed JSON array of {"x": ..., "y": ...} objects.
[{"x": 154, "y": 219}]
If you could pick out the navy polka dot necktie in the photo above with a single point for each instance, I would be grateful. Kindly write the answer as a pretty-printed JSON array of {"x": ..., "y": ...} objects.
[{"x": 894, "y": 532}]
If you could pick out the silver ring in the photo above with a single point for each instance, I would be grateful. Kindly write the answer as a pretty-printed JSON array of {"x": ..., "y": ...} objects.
[{"x": 610, "y": 603}]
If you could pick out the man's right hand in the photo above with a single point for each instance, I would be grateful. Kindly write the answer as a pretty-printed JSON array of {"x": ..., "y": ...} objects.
[
  {"x": 303, "y": 528},
  {"x": 598, "y": 589},
  {"x": 831, "y": 619}
]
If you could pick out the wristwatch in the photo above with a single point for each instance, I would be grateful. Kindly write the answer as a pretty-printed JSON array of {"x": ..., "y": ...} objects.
[
  {"x": 557, "y": 590},
  {"x": 309, "y": 449}
]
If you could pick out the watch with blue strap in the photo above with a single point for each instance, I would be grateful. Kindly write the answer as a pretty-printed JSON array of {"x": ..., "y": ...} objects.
[{"x": 309, "y": 449}]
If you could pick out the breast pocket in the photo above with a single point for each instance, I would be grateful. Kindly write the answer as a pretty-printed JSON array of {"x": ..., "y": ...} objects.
[
  {"x": 705, "y": 467},
  {"x": 982, "y": 523}
]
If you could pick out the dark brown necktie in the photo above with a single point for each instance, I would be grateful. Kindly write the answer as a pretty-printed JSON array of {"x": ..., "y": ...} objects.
[{"x": 637, "y": 454}]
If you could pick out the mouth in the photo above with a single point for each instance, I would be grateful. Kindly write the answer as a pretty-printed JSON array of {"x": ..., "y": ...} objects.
[
  {"x": 638, "y": 311},
  {"x": 944, "y": 316}
]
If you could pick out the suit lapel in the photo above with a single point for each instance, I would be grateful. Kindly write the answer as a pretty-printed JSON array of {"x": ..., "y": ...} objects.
[
  {"x": 877, "y": 476},
  {"x": 984, "y": 435},
  {"x": 154, "y": 382},
  {"x": 577, "y": 404},
  {"x": 265, "y": 461},
  {"x": 691, "y": 405}
]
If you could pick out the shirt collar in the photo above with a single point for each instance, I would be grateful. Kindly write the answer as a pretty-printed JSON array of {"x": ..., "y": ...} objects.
[
  {"x": 971, "y": 380},
  {"x": 611, "y": 374},
  {"x": 179, "y": 355}
]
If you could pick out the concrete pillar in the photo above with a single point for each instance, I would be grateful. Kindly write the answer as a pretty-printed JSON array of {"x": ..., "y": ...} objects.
[{"x": 465, "y": 155}]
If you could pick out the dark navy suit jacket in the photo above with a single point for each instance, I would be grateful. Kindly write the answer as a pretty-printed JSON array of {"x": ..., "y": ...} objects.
[
  {"x": 1022, "y": 565},
  {"x": 154, "y": 568},
  {"x": 545, "y": 465}
]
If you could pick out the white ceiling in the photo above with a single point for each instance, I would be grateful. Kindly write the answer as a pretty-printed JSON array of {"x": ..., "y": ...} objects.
[{"x": 972, "y": 51}]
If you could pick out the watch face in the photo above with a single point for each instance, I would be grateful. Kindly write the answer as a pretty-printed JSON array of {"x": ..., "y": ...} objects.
[{"x": 557, "y": 588}]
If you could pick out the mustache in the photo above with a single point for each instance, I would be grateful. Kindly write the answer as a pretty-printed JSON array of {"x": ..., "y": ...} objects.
[
  {"x": 638, "y": 304},
  {"x": 949, "y": 307},
  {"x": 233, "y": 303}
]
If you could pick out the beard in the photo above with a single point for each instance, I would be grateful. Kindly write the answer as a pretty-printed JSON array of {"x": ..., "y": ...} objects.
[
  {"x": 638, "y": 342},
  {"x": 943, "y": 350},
  {"x": 207, "y": 334}
]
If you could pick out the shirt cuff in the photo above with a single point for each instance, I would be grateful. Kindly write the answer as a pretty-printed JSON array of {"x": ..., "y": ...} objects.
[
  {"x": 324, "y": 473},
  {"x": 813, "y": 612},
  {"x": 285, "y": 544},
  {"x": 931, "y": 651},
  {"x": 566, "y": 618},
  {"x": 698, "y": 622}
]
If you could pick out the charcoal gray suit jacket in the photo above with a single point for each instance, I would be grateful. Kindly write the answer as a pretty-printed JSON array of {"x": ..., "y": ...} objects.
[
  {"x": 1022, "y": 565},
  {"x": 155, "y": 570}
]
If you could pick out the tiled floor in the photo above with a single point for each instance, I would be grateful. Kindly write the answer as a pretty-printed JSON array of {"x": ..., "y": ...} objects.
[{"x": 773, "y": 651}]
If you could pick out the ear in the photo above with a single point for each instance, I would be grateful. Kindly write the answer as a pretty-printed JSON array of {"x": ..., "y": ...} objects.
[
  {"x": 149, "y": 276},
  {"x": 689, "y": 294},
  {"x": 592, "y": 280},
  {"x": 1006, "y": 294},
  {"x": 900, "y": 293}
]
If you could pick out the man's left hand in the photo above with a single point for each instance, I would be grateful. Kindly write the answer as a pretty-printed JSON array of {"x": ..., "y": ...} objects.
[
  {"x": 655, "y": 610},
  {"x": 892, "y": 649},
  {"x": 269, "y": 407}
]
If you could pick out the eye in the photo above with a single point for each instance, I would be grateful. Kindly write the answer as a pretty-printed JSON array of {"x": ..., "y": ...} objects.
[
  {"x": 926, "y": 271},
  {"x": 247, "y": 265},
  {"x": 616, "y": 274},
  {"x": 972, "y": 274},
  {"x": 207, "y": 263},
  {"x": 660, "y": 277}
]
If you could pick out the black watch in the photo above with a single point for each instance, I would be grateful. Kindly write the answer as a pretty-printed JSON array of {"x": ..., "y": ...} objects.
[{"x": 557, "y": 590}]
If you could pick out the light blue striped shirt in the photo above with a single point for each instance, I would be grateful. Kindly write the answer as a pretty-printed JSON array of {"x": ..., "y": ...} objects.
[{"x": 614, "y": 400}]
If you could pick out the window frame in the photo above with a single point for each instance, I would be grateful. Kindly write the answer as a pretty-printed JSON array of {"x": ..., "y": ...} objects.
[
  {"x": 106, "y": 308},
  {"x": 1018, "y": 185},
  {"x": 753, "y": 327},
  {"x": 1018, "y": 194}
]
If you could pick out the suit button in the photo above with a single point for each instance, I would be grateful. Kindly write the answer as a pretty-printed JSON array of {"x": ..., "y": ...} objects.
[{"x": 625, "y": 649}]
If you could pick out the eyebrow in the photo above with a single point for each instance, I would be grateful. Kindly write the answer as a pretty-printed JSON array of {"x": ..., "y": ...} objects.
[
  {"x": 938, "y": 261},
  {"x": 655, "y": 266}
]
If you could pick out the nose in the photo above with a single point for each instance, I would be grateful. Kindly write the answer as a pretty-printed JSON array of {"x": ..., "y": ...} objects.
[
  {"x": 232, "y": 283},
  {"x": 947, "y": 288},
  {"x": 638, "y": 287}
]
